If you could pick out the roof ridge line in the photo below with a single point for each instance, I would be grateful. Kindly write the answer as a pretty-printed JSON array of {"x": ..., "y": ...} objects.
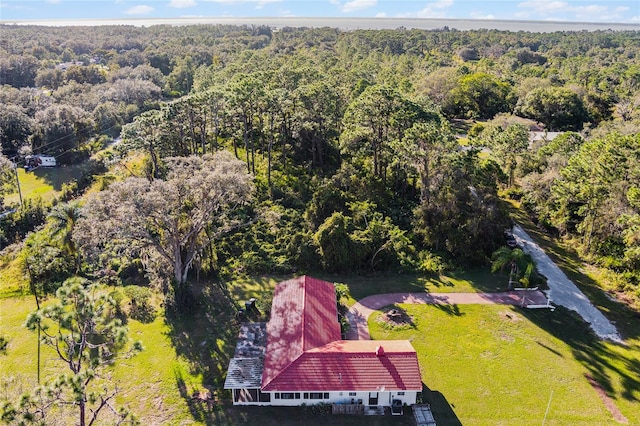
[
  {"x": 304, "y": 312},
  {"x": 302, "y": 350}
]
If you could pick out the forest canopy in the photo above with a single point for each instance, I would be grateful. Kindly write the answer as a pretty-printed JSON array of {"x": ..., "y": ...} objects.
[{"x": 367, "y": 150}]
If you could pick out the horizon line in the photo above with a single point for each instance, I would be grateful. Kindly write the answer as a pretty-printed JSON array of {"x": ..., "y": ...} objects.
[{"x": 410, "y": 23}]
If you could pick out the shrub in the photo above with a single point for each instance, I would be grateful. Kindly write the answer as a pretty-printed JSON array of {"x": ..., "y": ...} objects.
[
  {"x": 4, "y": 342},
  {"x": 117, "y": 301},
  {"x": 432, "y": 263},
  {"x": 140, "y": 298},
  {"x": 513, "y": 193}
]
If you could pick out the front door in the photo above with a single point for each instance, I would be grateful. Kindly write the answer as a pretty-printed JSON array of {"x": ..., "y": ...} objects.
[{"x": 373, "y": 398}]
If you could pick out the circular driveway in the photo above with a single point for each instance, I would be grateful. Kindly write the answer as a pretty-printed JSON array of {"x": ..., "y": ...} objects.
[{"x": 359, "y": 313}]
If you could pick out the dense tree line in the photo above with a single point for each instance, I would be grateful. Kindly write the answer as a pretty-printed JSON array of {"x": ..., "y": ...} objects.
[{"x": 350, "y": 137}]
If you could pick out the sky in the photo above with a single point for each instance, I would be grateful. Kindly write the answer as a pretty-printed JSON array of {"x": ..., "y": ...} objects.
[{"x": 606, "y": 11}]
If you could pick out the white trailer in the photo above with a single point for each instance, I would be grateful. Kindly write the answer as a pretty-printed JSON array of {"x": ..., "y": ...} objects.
[{"x": 34, "y": 161}]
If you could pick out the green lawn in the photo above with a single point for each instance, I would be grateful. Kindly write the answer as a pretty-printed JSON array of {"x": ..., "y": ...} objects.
[
  {"x": 44, "y": 182},
  {"x": 182, "y": 357},
  {"x": 13, "y": 281},
  {"x": 498, "y": 365},
  {"x": 487, "y": 365}
]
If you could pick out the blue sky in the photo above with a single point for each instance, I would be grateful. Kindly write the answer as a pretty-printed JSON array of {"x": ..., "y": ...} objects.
[{"x": 614, "y": 11}]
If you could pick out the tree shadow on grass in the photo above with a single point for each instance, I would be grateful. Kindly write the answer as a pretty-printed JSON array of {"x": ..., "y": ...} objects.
[
  {"x": 598, "y": 357},
  {"x": 441, "y": 408},
  {"x": 63, "y": 174},
  {"x": 453, "y": 310},
  {"x": 205, "y": 335},
  {"x": 395, "y": 317}
]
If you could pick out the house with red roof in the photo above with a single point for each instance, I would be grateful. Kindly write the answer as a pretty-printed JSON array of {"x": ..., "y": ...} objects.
[{"x": 298, "y": 357}]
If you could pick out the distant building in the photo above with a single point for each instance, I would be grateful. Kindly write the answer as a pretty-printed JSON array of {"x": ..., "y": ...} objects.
[
  {"x": 537, "y": 138},
  {"x": 298, "y": 357},
  {"x": 65, "y": 65}
]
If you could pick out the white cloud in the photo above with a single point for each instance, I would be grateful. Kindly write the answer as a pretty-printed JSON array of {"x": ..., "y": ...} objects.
[
  {"x": 352, "y": 6},
  {"x": 181, "y": 4},
  {"x": 259, "y": 3},
  {"x": 139, "y": 10},
  {"x": 562, "y": 10},
  {"x": 478, "y": 15},
  {"x": 286, "y": 14},
  {"x": 381, "y": 15},
  {"x": 436, "y": 9}
]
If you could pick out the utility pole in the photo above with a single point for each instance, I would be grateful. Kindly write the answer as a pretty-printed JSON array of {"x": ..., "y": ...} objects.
[{"x": 15, "y": 169}]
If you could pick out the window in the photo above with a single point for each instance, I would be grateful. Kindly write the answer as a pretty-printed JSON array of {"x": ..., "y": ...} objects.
[
  {"x": 400, "y": 393},
  {"x": 264, "y": 397},
  {"x": 306, "y": 395},
  {"x": 297, "y": 395},
  {"x": 326, "y": 395},
  {"x": 276, "y": 395},
  {"x": 288, "y": 395},
  {"x": 352, "y": 394},
  {"x": 315, "y": 395}
]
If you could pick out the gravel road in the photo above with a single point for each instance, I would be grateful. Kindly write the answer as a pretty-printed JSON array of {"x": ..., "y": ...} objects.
[{"x": 562, "y": 291}]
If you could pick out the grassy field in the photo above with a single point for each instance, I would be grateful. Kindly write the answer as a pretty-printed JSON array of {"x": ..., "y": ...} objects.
[
  {"x": 44, "y": 182},
  {"x": 487, "y": 365},
  {"x": 176, "y": 379},
  {"x": 498, "y": 365}
]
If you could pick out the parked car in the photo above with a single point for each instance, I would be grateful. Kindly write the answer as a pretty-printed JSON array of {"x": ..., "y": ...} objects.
[{"x": 510, "y": 239}]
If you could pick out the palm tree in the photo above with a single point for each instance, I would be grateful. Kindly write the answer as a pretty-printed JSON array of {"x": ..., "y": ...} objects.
[
  {"x": 526, "y": 277},
  {"x": 62, "y": 220},
  {"x": 517, "y": 261}
]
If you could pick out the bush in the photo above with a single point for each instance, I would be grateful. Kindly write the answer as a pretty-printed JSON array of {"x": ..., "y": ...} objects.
[
  {"x": 468, "y": 54},
  {"x": 342, "y": 291},
  {"x": 431, "y": 263},
  {"x": 117, "y": 301},
  {"x": 320, "y": 409},
  {"x": 513, "y": 193},
  {"x": 140, "y": 298},
  {"x": 26, "y": 219},
  {"x": 4, "y": 342}
]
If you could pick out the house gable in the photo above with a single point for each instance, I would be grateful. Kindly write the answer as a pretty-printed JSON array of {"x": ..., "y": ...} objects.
[
  {"x": 356, "y": 365},
  {"x": 304, "y": 316}
]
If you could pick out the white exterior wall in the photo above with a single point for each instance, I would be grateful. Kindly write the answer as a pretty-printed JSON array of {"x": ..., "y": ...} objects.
[{"x": 339, "y": 397}]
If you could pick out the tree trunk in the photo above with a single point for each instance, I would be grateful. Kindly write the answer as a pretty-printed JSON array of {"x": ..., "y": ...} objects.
[
  {"x": 269, "y": 147},
  {"x": 246, "y": 145},
  {"x": 511, "y": 274},
  {"x": 82, "y": 405},
  {"x": 425, "y": 180}
]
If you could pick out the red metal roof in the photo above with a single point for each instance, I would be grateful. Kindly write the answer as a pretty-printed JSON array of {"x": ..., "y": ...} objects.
[
  {"x": 304, "y": 351},
  {"x": 304, "y": 316},
  {"x": 352, "y": 365}
]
